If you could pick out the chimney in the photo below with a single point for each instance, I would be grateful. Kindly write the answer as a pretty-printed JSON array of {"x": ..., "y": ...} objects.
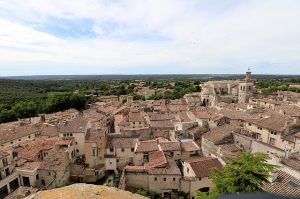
[{"x": 272, "y": 177}]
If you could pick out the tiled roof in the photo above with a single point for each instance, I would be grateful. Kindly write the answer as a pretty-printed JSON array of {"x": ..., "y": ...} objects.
[
  {"x": 135, "y": 117},
  {"x": 161, "y": 124},
  {"x": 34, "y": 148},
  {"x": 292, "y": 162},
  {"x": 121, "y": 142},
  {"x": 183, "y": 117},
  {"x": 171, "y": 168},
  {"x": 275, "y": 122},
  {"x": 156, "y": 159},
  {"x": 119, "y": 118},
  {"x": 203, "y": 166},
  {"x": 285, "y": 184},
  {"x": 56, "y": 160},
  {"x": 29, "y": 166},
  {"x": 77, "y": 125},
  {"x": 220, "y": 132},
  {"x": 170, "y": 146},
  {"x": 229, "y": 147},
  {"x": 12, "y": 131},
  {"x": 189, "y": 145},
  {"x": 153, "y": 116},
  {"x": 147, "y": 146},
  {"x": 48, "y": 130}
]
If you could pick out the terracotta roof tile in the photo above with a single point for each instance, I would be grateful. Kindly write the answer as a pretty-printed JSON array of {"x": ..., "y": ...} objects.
[
  {"x": 203, "y": 166},
  {"x": 147, "y": 146},
  {"x": 189, "y": 145},
  {"x": 285, "y": 184}
]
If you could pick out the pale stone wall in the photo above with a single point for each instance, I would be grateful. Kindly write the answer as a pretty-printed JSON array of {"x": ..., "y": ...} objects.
[
  {"x": 124, "y": 157},
  {"x": 264, "y": 133},
  {"x": 164, "y": 183},
  {"x": 19, "y": 140},
  {"x": 138, "y": 159},
  {"x": 242, "y": 141},
  {"x": 32, "y": 175},
  {"x": 208, "y": 147},
  {"x": 138, "y": 180},
  {"x": 188, "y": 171},
  {"x": 79, "y": 139},
  {"x": 110, "y": 164},
  {"x": 259, "y": 147}
]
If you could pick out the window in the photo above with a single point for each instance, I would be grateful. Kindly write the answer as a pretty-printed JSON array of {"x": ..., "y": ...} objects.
[
  {"x": 174, "y": 179},
  {"x": 11, "y": 142},
  {"x": 71, "y": 134},
  {"x": 165, "y": 179},
  {"x": 65, "y": 135},
  {"x": 111, "y": 149},
  {"x": 77, "y": 150},
  {"x": 155, "y": 179},
  {"x": 49, "y": 173},
  {"x": 272, "y": 141},
  {"x": 132, "y": 149},
  {"x": 76, "y": 143},
  {"x": 29, "y": 136},
  {"x": 19, "y": 139},
  {"x": 122, "y": 149},
  {"x": 94, "y": 151},
  {"x": 37, "y": 176},
  {"x": 187, "y": 170}
]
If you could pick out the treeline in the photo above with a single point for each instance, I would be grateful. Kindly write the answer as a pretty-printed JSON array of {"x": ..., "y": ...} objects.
[
  {"x": 269, "y": 86},
  {"x": 54, "y": 102},
  {"x": 180, "y": 88}
]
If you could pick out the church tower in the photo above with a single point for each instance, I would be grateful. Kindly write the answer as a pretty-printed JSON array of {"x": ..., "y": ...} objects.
[{"x": 246, "y": 88}]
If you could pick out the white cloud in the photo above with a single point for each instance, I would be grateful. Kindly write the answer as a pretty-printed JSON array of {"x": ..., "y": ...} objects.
[{"x": 198, "y": 36}]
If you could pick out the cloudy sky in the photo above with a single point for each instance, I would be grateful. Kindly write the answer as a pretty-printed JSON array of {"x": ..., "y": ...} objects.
[{"x": 39, "y": 37}]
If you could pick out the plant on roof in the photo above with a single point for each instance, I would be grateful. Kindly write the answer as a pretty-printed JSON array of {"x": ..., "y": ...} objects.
[{"x": 243, "y": 174}]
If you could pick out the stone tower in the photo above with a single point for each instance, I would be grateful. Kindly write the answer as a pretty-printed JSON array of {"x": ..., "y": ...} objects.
[{"x": 246, "y": 88}]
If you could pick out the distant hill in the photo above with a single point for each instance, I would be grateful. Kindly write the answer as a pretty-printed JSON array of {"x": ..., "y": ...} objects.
[{"x": 145, "y": 77}]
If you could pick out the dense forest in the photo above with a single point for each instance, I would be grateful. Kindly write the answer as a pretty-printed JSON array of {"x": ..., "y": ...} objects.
[
  {"x": 269, "y": 86},
  {"x": 27, "y": 98}
]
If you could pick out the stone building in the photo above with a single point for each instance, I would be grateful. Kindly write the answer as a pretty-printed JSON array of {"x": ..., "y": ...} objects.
[
  {"x": 196, "y": 174},
  {"x": 229, "y": 91}
]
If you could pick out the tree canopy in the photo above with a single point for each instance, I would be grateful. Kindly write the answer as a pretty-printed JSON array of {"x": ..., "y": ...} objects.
[{"x": 244, "y": 174}]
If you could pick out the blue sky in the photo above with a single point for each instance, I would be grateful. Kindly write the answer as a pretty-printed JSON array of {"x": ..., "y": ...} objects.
[{"x": 42, "y": 37}]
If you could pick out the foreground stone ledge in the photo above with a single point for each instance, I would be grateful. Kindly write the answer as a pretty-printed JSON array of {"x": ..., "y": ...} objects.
[{"x": 85, "y": 191}]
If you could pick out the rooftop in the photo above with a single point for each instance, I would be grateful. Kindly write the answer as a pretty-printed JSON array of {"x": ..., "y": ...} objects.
[
  {"x": 147, "y": 146},
  {"x": 203, "y": 166},
  {"x": 189, "y": 145}
]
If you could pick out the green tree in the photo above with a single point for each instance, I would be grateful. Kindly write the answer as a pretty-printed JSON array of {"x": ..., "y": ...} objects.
[
  {"x": 244, "y": 174},
  {"x": 25, "y": 109}
]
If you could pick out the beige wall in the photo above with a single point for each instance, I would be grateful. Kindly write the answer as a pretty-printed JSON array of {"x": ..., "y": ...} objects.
[
  {"x": 140, "y": 180},
  {"x": 138, "y": 159},
  {"x": 110, "y": 164},
  {"x": 160, "y": 185},
  {"x": 188, "y": 171},
  {"x": 123, "y": 157},
  {"x": 19, "y": 140},
  {"x": 79, "y": 138},
  {"x": 191, "y": 186}
]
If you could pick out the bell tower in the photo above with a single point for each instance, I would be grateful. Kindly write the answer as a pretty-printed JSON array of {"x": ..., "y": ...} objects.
[{"x": 246, "y": 88}]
